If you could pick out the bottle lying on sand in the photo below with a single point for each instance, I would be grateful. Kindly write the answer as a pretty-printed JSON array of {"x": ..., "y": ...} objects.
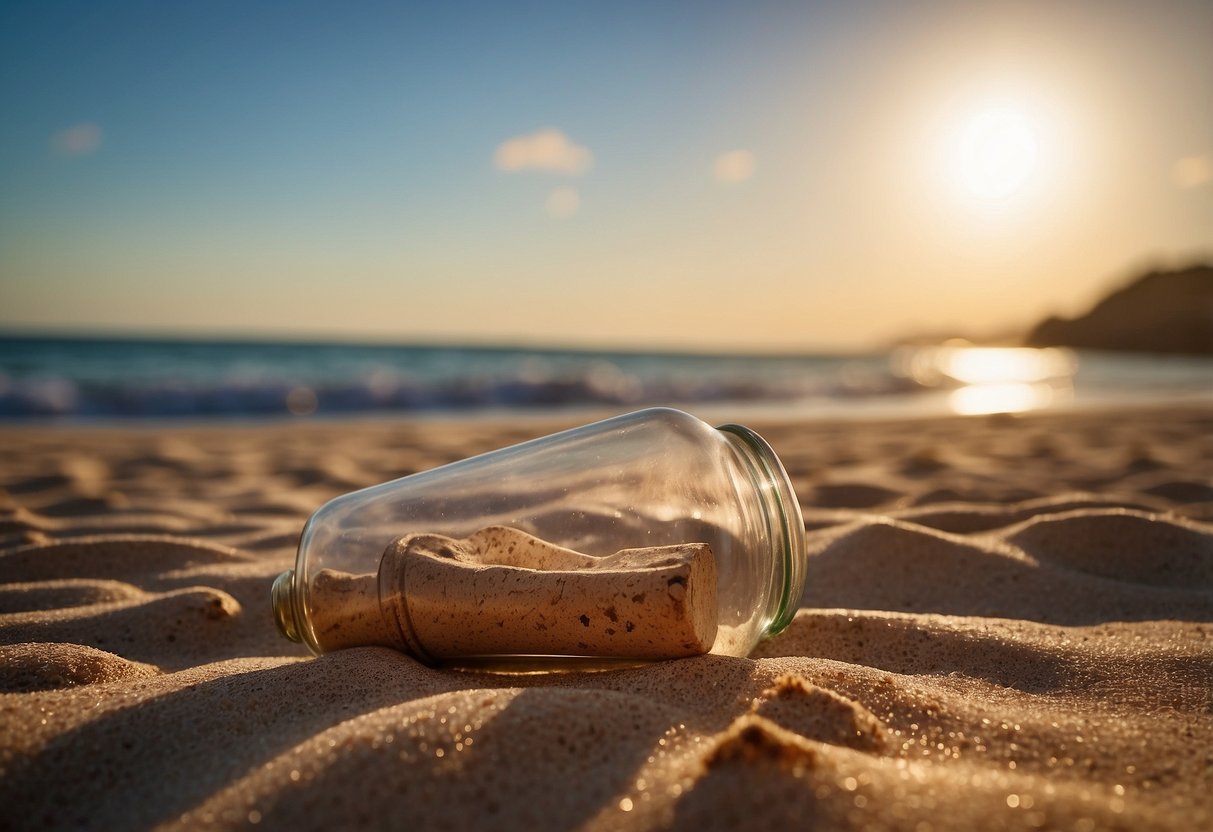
[{"x": 690, "y": 534}]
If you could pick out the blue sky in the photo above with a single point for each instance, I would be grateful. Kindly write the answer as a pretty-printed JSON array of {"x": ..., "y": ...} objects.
[{"x": 336, "y": 169}]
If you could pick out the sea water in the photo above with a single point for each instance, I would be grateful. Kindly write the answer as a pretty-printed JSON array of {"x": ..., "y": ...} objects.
[{"x": 131, "y": 378}]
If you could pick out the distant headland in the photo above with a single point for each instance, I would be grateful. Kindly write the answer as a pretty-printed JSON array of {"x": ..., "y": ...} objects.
[{"x": 1165, "y": 312}]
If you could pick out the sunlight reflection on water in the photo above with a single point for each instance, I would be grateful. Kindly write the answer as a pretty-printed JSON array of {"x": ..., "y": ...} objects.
[{"x": 994, "y": 379}]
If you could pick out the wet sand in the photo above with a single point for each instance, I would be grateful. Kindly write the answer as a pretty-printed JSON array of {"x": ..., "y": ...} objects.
[{"x": 1007, "y": 624}]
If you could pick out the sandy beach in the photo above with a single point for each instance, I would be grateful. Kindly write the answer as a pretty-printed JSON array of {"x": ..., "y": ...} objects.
[{"x": 1007, "y": 624}]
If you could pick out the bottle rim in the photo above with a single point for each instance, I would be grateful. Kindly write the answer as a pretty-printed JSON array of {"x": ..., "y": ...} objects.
[
  {"x": 282, "y": 600},
  {"x": 787, "y": 525}
]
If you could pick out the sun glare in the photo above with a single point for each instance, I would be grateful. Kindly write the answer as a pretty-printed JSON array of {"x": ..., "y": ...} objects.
[
  {"x": 996, "y": 154},
  {"x": 993, "y": 379}
]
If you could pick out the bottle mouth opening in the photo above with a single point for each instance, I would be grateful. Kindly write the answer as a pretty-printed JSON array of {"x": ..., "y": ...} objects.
[
  {"x": 786, "y": 525},
  {"x": 282, "y": 599}
]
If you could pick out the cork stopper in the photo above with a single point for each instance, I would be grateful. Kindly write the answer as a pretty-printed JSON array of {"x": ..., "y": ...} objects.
[{"x": 501, "y": 591}]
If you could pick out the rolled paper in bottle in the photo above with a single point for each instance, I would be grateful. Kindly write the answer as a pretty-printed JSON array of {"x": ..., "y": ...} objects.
[{"x": 501, "y": 591}]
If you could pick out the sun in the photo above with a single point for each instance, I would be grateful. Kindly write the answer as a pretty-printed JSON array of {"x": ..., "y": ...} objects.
[{"x": 996, "y": 154}]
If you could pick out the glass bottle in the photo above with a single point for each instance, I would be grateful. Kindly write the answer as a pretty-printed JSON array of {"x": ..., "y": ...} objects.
[{"x": 655, "y": 477}]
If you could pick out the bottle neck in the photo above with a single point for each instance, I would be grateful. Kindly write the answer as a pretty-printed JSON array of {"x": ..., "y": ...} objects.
[{"x": 785, "y": 524}]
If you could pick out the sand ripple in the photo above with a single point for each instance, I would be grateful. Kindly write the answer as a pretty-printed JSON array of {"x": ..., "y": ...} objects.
[
  {"x": 27, "y": 667},
  {"x": 1126, "y": 545}
]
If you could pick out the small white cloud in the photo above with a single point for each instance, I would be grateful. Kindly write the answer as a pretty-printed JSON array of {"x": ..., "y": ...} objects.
[
  {"x": 549, "y": 150},
  {"x": 1192, "y": 171},
  {"x": 734, "y": 166},
  {"x": 563, "y": 203},
  {"x": 78, "y": 140}
]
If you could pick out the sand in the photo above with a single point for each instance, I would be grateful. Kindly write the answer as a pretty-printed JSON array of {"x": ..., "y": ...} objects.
[{"x": 1007, "y": 624}]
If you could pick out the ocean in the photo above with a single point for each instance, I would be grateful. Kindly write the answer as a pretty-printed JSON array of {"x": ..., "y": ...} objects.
[{"x": 101, "y": 378}]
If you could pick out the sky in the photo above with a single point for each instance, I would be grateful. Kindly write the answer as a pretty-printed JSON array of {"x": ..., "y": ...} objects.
[{"x": 722, "y": 176}]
